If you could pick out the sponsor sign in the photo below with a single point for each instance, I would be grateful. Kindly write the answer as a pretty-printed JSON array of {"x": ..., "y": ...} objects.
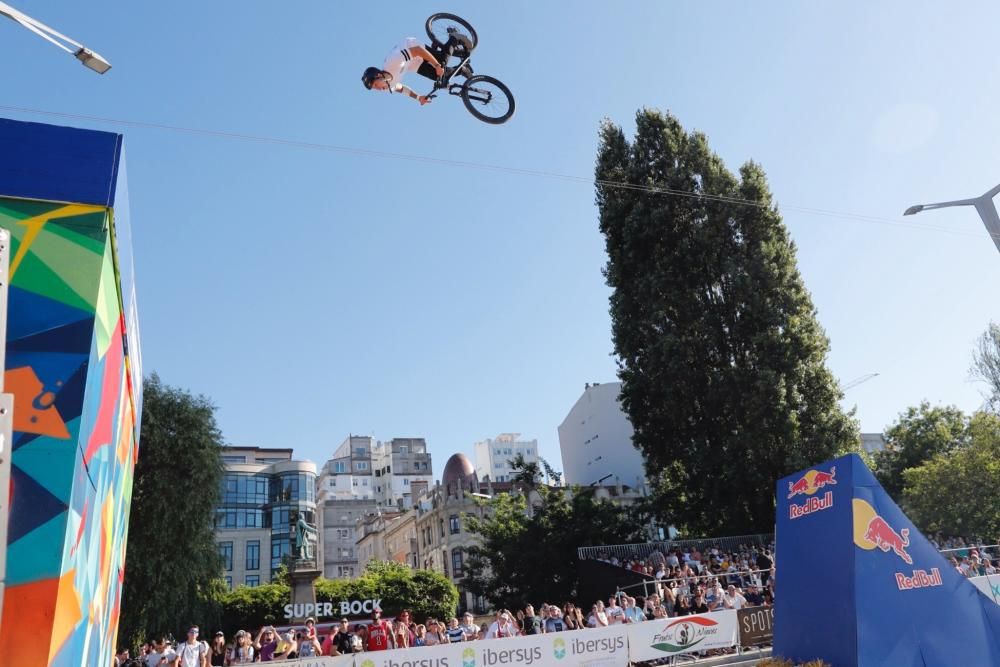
[
  {"x": 756, "y": 625},
  {"x": 808, "y": 485},
  {"x": 683, "y": 634},
  {"x": 321, "y": 661},
  {"x": 330, "y": 609},
  {"x": 989, "y": 586}
]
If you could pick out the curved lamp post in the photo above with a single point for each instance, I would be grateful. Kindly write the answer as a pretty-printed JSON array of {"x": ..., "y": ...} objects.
[
  {"x": 984, "y": 206},
  {"x": 89, "y": 58}
]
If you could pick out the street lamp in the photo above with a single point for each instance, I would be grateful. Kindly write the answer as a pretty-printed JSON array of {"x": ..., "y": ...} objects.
[
  {"x": 90, "y": 59},
  {"x": 984, "y": 206}
]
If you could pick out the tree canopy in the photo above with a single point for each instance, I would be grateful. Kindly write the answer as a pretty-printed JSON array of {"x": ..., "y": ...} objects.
[
  {"x": 918, "y": 435},
  {"x": 172, "y": 561},
  {"x": 720, "y": 354},
  {"x": 957, "y": 492},
  {"x": 532, "y": 556}
]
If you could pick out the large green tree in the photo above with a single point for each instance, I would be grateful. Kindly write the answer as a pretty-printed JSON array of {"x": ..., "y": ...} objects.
[
  {"x": 532, "y": 557},
  {"x": 957, "y": 492},
  {"x": 918, "y": 435},
  {"x": 720, "y": 354},
  {"x": 172, "y": 561}
]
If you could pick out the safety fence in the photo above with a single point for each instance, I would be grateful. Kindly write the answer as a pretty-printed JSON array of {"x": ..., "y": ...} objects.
[
  {"x": 613, "y": 646},
  {"x": 989, "y": 585},
  {"x": 642, "y": 551},
  {"x": 654, "y": 586}
]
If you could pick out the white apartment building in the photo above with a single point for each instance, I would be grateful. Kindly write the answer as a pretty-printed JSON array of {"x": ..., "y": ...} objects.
[
  {"x": 595, "y": 440},
  {"x": 493, "y": 457},
  {"x": 365, "y": 476}
]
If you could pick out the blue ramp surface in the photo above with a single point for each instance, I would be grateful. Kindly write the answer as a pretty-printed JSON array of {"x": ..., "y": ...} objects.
[{"x": 859, "y": 586}]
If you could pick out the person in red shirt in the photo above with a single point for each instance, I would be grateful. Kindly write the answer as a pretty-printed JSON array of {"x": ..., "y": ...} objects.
[{"x": 379, "y": 633}]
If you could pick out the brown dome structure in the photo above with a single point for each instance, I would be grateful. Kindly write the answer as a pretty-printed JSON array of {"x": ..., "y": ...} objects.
[{"x": 459, "y": 469}]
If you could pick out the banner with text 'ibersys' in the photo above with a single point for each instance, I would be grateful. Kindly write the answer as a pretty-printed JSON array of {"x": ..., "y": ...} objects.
[{"x": 684, "y": 634}]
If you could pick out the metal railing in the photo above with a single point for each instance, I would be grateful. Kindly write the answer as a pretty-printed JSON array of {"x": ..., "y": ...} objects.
[
  {"x": 652, "y": 586},
  {"x": 642, "y": 551}
]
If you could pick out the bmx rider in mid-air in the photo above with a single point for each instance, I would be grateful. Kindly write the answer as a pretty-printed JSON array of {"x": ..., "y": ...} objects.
[{"x": 412, "y": 56}]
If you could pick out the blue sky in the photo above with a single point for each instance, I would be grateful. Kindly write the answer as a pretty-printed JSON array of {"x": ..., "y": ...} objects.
[{"x": 314, "y": 294}]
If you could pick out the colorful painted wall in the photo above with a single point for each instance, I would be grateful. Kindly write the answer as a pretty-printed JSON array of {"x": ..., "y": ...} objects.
[{"x": 73, "y": 366}]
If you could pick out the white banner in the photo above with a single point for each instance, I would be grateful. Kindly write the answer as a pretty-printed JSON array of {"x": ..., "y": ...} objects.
[
  {"x": 323, "y": 661},
  {"x": 989, "y": 585},
  {"x": 444, "y": 655},
  {"x": 665, "y": 637}
]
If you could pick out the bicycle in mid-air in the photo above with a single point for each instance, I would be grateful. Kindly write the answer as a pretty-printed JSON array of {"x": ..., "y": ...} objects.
[{"x": 486, "y": 97}]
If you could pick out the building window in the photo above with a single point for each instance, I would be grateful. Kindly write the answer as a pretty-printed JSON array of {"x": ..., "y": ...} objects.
[
  {"x": 253, "y": 554},
  {"x": 361, "y": 465},
  {"x": 253, "y": 580},
  {"x": 280, "y": 547},
  {"x": 339, "y": 466},
  {"x": 345, "y": 571},
  {"x": 360, "y": 451},
  {"x": 343, "y": 533},
  {"x": 442, "y": 527},
  {"x": 406, "y": 481},
  {"x": 229, "y": 582},
  {"x": 234, "y": 459},
  {"x": 226, "y": 552},
  {"x": 404, "y": 449},
  {"x": 454, "y": 525},
  {"x": 456, "y": 563},
  {"x": 498, "y": 452}
]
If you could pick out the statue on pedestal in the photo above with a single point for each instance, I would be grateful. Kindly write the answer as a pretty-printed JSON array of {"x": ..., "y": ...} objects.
[{"x": 304, "y": 536}]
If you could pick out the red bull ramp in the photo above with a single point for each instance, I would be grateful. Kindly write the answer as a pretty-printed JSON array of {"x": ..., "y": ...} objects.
[{"x": 859, "y": 586}]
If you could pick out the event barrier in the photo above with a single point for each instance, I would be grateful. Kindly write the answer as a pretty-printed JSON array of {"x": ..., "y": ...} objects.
[{"x": 614, "y": 646}]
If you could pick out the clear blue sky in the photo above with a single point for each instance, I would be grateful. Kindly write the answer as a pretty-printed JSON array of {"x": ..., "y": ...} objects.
[{"x": 312, "y": 294}]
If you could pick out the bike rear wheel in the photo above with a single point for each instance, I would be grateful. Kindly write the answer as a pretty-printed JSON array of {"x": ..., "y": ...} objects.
[
  {"x": 488, "y": 99},
  {"x": 437, "y": 28}
]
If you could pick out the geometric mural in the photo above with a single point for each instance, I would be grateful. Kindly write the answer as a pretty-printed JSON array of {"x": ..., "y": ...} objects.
[{"x": 73, "y": 365}]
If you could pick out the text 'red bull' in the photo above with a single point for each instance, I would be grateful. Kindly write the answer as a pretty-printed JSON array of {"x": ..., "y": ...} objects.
[
  {"x": 885, "y": 538},
  {"x": 814, "y": 504},
  {"x": 920, "y": 579}
]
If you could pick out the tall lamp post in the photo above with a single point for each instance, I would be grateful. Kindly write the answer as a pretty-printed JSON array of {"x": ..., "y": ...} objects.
[
  {"x": 89, "y": 58},
  {"x": 984, "y": 206}
]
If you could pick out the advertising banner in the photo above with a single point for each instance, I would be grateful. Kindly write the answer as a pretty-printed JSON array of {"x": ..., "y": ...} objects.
[
  {"x": 324, "y": 661},
  {"x": 989, "y": 585},
  {"x": 756, "y": 625},
  {"x": 684, "y": 634}
]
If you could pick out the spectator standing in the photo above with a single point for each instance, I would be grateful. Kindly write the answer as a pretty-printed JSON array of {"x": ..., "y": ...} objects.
[
  {"x": 161, "y": 654},
  {"x": 243, "y": 651},
  {"x": 400, "y": 634},
  {"x": 217, "y": 651},
  {"x": 469, "y": 626},
  {"x": 420, "y": 635},
  {"x": 531, "y": 624},
  {"x": 554, "y": 623},
  {"x": 455, "y": 632},
  {"x": 598, "y": 617},
  {"x": 266, "y": 643},
  {"x": 308, "y": 644},
  {"x": 699, "y": 606},
  {"x": 765, "y": 563},
  {"x": 192, "y": 653},
  {"x": 379, "y": 633},
  {"x": 616, "y": 615},
  {"x": 502, "y": 627},
  {"x": 435, "y": 633}
]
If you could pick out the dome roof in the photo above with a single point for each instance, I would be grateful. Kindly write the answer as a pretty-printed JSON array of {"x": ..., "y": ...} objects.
[{"x": 458, "y": 467}]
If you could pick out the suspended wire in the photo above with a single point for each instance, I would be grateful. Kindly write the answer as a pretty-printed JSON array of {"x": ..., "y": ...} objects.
[{"x": 519, "y": 171}]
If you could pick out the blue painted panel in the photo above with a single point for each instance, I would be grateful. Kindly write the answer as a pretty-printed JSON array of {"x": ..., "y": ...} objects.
[{"x": 61, "y": 164}]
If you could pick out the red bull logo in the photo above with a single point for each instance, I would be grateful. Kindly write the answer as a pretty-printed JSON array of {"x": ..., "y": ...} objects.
[
  {"x": 811, "y": 482},
  {"x": 885, "y": 538}
]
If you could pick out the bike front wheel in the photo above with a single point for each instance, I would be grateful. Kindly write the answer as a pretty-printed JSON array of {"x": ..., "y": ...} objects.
[
  {"x": 488, "y": 99},
  {"x": 438, "y": 24}
]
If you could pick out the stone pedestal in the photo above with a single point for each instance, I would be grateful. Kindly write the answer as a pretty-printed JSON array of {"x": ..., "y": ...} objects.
[{"x": 303, "y": 575}]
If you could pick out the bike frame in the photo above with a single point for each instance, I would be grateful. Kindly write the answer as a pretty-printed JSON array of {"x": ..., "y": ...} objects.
[{"x": 453, "y": 88}]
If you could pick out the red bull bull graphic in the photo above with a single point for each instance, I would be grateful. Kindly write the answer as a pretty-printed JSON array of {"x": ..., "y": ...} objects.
[
  {"x": 811, "y": 482},
  {"x": 885, "y": 538},
  {"x": 808, "y": 485}
]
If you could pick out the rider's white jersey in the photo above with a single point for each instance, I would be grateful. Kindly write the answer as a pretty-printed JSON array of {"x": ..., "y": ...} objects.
[{"x": 402, "y": 60}]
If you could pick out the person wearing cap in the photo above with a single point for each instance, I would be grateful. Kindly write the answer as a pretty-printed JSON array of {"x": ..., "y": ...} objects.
[
  {"x": 192, "y": 653},
  {"x": 307, "y": 643},
  {"x": 217, "y": 651},
  {"x": 502, "y": 627},
  {"x": 379, "y": 633},
  {"x": 310, "y": 629},
  {"x": 266, "y": 643}
]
